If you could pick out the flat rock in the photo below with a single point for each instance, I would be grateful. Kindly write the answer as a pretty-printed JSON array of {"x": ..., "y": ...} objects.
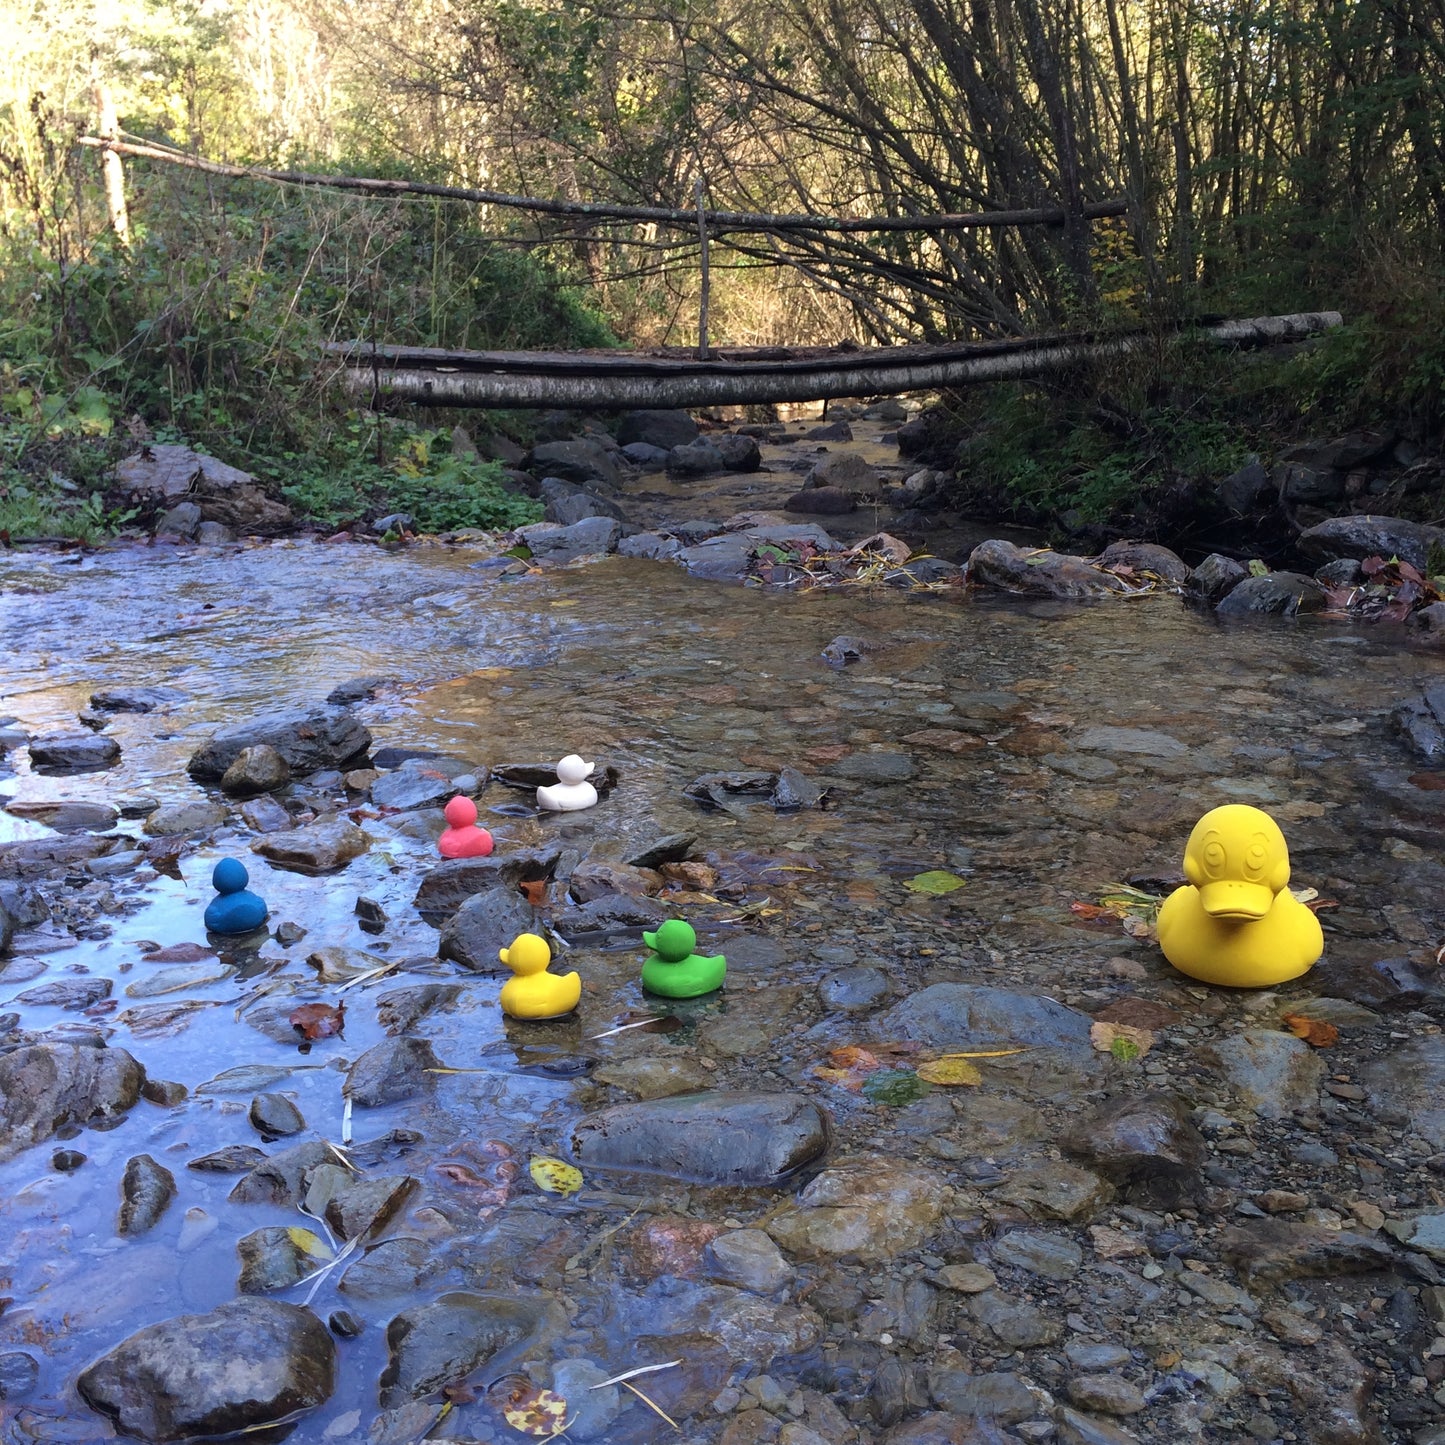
[
  {"x": 1275, "y": 1249},
  {"x": 1053, "y": 1256},
  {"x": 871, "y": 1208},
  {"x": 246, "y": 1363},
  {"x": 135, "y": 699},
  {"x": 281, "y": 1178},
  {"x": 1390, "y": 985},
  {"x": 357, "y": 689},
  {"x": 392, "y": 1070},
  {"x": 1406, "y": 1088},
  {"x": 651, "y": 1076},
  {"x": 48, "y": 1087},
  {"x": 749, "y": 1259},
  {"x": 320, "y": 848},
  {"x": 954, "y": 1017},
  {"x": 392, "y": 1267},
  {"x": 1279, "y": 594},
  {"x": 1053, "y": 1189},
  {"x": 847, "y": 472},
  {"x": 66, "y": 817},
  {"x": 1003, "y": 1396},
  {"x": 400, "y": 1010},
  {"x": 1017, "y": 1324},
  {"x": 821, "y": 502},
  {"x": 369, "y": 1205},
  {"x": 184, "y": 820},
  {"x": 1270, "y": 1072},
  {"x": 1370, "y": 536},
  {"x": 653, "y": 546},
  {"x": 73, "y": 753},
  {"x": 323, "y": 737},
  {"x": 1037, "y": 573},
  {"x": 446, "y": 1340},
  {"x": 1145, "y": 1139},
  {"x": 1134, "y": 742},
  {"x": 592, "y": 536},
  {"x": 710, "y": 1138},
  {"x": 71, "y": 994}
]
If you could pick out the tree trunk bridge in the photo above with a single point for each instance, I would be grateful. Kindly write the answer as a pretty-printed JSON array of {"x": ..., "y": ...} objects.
[{"x": 732, "y": 376}]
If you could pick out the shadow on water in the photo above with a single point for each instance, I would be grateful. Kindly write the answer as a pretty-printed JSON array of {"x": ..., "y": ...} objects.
[{"x": 1040, "y": 752}]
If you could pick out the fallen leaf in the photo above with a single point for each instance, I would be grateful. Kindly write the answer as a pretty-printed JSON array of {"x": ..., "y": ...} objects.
[
  {"x": 319, "y": 1020},
  {"x": 534, "y": 1411},
  {"x": 936, "y": 882},
  {"x": 1125, "y": 1042},
  {"x": 1315, "y": 1032},
  {"x": 894, "y": 1086},
  {"x": 534, "y": 890},
  {"x": 310, "y": 1243},
  {"x": 949, "y": 1072},
  {"x": 554, "y": 1176}
]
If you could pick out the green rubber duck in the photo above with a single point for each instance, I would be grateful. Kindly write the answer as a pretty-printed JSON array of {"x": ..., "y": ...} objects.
[{"x": 673, "y": 969}]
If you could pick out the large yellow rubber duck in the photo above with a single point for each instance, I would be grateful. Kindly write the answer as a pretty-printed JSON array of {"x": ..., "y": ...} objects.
[
  {"x": 534, "y": 993},
  {"x": 1236, "y": 923}
]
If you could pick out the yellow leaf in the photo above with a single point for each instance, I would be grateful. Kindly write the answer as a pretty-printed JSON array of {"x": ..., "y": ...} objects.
[
  {"x": 985, "y": 1054},
  {"x": 536, "y": 1412},
  {"x": 310, "y": 1243},
  {"x": 949, "y": 1072},
  {"x": 554, "y": 1176}
]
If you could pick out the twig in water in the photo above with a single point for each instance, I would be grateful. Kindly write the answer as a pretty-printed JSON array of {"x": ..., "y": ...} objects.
[
  {"x": 633, "y": 1374},
  {"x": 651, "y": 1405}
]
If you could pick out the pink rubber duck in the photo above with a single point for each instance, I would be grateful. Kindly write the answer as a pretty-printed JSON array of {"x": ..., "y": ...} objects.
[{"x": 462, "y": 838}]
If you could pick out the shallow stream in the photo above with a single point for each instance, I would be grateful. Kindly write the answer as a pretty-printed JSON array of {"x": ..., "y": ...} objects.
[{"x": 1040, "y": 752}]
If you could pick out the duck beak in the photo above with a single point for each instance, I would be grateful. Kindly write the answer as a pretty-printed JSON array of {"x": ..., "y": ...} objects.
[
  {"x": 650, "y": 939},
  {"x": 502, "y": 954},
  {"x": 1233, "y": 898}
]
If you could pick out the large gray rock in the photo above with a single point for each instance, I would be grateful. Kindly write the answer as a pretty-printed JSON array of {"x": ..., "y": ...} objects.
[
  {"x": 568, "y": 503},
  {"x": 665, "y": 429},
  {"x": 1422, "y": 721},
  {"x": 417, "y": 783},
  {"x": 725, "y": 558},
  {"x": 1272, "y": 1073},
  {"x": 698, "y": 458},
  {"x": 448, "y": 885},
  {"x": 323, "y": 737},
  {"x": 161, "y": 473},
  {"x": 712, "y": 1138},
  {"x": 134, "y": 699},
  {"x": 246, "y": 1363},
  {"x": 847, "y": 472},
  {"x": 73, "y": 753},
  {"x": 1248, "y": 489},
  {"x": 587, "y": 463},
  {"x": 321, "y": 848},
  {"x": 962, "y": 1016},
  {"x": 593, "y": 536},
  {"x": 1214, "y": 578},
  {"x": 435, "y": 1344},
  {"x": 1033, "y": 573},
  {"x": 1407, "y": 1088},
  {"x": 195, "y": 815},
  {"x": 485, "y": 923},
  {"x": 1280, "y": 594},
  {"x": 47, "y": 1087},
  {"x": 1146, "y": 557},
  {"x": 1368, "y": 536},
  {"x": 65, "y": 816},
  {"x": 257, "y": 769}
]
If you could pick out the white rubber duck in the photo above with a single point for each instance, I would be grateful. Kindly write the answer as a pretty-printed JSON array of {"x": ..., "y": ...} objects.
[{"x": 572, "y": 792}]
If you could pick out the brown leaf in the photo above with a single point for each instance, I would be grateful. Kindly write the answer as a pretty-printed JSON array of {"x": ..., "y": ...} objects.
[
  {"x": 1428, "y": 782},
  {"x": 318, "y": 1020},
  {"x": 534, "y": 890},
  {"x": 1315, "y": 1032},
  {"x": 1123, "y": 1041},
  {"x": 460, "y": 1393}
]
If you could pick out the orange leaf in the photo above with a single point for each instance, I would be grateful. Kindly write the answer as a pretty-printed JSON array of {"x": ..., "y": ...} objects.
[
  {"x": 534, "y": 891},
  {"x": 318, "y": 1020},
  {"x": 1315, "y": 1032},
  {"x": 851, "y": 1056}
]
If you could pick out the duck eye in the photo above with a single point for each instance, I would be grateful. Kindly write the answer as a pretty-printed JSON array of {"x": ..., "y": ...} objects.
[
  {"x": 1214, "y": 856},
  {"x": 1256, "y": 857}
]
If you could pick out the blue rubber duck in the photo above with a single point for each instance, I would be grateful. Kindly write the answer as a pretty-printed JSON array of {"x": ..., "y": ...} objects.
[{"x": 234, "y": 910}]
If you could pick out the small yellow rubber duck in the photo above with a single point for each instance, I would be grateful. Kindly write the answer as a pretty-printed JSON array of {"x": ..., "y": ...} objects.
[
  {"x": 534, "y": 993},
  {"x": 1236, "y": 923}
]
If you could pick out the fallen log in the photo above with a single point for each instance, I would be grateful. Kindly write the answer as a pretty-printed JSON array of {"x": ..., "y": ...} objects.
[{"x": 618, "y": 380}]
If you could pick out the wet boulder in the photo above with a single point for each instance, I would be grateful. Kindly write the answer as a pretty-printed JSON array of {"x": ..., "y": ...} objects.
[
  {"x": 448, "y": 885},
  {"x": 277, "y": 1257},
  {"x": 568, "y": 503},
  {"x": 1249, "y": 489},
  {"x": 484, "y": 924},
  {"x": 699, "y": 458},
  {"x": 1270, "y": 1072},
  {"x": 421, "y": 783},
  {"x": 846, "y": 472},
  {"x": 725, "y": 558},
  {"x": 739, "y": 453},
  {"x": 244, "y": 1364},
  {"x": 961, "y": 1016},
  {"x": 73, "y": 753},
  {"x": 320, "y": 848},
  {"x": 1038, "y": 573},
  {"x": 1213, "y": 579},
  {"x": 281, "y": 1178},
  {"x": 66, "y": 817},
  {"x": 257, "y": 769},
  {"x": 173, "y": 820},
  {"x": 446, "y": 1340},
  {"x": 134, "y": 699},
  {"x": 1276, "y": 594},
  {"x": 323, "y": 737},
  {"x": 1421, "y": 721},
  {"x": 1369, "y": 536},
  {"x": 593, "y": 536},
  {"x": 146, "y": 1192},
  {"x": 734, "y": 1138},
  {"x": 48, "y": 1087},
  {"x": 1406, "y": 1087},
  {"x": 392, "y": 1070},
  {"x": 657, "y": 428},
  {"x": 1145, "y": 560},
  {"x": 369, "y": 1205},
  {"x": 582, "y": 460},
  {"x": 822, "y": 502},
  {"x": 1147, "y": 1140}
]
